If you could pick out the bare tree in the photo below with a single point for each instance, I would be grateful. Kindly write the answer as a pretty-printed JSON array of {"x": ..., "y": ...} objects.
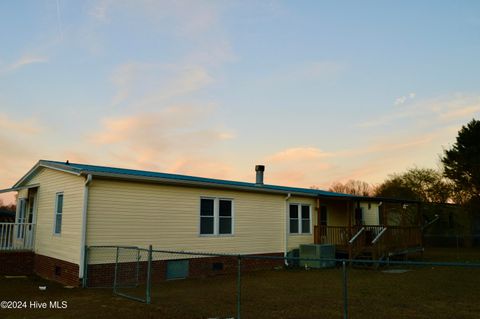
[
  {"x": 354, "y": 187},
  {"x": 8, "y": 207}
]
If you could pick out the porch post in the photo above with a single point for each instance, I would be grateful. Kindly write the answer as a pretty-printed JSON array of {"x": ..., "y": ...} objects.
[
  {"x": 385, "y": 214},
  {"x": 316, "y": 229},
  {"x": 404, "y": 211},
  {"x": 349, "y": 215}
]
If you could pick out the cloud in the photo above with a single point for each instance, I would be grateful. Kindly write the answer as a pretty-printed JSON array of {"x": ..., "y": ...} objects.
[
  {"x": 151, "y": 84},
  {"x": 461, "y": 112},
  {"x": 370, "y": 161},
  {"x": 202, "y": 166},
  {"x": 24, "y": 61},
  {"x": 157, "y": 140},
  {"x": 188, "y": 17},
  {"x": 99, "y": 10},
  {"x": 196, "y": 25},
  {"x": 417, "y": 133},
  {"x": 298, "y": 154},
  {"x": 20, "y": 144},
  {"x": 389, "y": 144},
  {"x": 435, "y": 111},
  {"x": 298, "y": 166},
  {"x": 403, "y": 99},
  {"x": 28, "y": 126}
]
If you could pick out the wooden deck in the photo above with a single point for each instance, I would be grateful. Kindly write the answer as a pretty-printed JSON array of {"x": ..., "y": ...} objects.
[{"x": 376, "y": 241}]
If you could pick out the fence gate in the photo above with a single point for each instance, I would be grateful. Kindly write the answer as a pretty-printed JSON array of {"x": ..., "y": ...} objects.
[{"x": 131, "y": 273}]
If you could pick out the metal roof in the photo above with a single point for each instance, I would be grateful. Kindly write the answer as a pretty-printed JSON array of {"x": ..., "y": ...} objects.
[
  {"x": 123, "y": 173},
  {"x": 186, "y": 180}
]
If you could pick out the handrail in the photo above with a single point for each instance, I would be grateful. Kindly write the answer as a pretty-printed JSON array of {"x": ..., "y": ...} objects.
[
  {"x": 434, "y": 220},
  {"x": 351, "y": 241},
  {"x": 380, "y": 234},
  {"x": 17, "y": 236}
]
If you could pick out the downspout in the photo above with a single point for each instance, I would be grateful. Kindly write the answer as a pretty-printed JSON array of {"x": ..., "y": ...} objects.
[
  {"x": 81, "y": 268},
  {"x": 286, "y": 228}
]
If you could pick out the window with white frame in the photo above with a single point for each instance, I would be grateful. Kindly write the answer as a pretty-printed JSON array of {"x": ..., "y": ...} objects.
[
  {"x": 57, "y": 229},
  {"x": 300, "y": 219},
  {"x": 216, "y": 216}
]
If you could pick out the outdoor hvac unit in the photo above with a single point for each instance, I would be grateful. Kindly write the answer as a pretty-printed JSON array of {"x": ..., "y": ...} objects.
[{"x": 317, "y": 252}]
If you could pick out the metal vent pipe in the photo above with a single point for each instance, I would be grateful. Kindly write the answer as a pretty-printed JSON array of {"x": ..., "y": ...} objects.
[{"x": 259, "y": 169}]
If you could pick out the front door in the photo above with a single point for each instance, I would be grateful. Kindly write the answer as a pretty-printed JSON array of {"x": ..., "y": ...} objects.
[
  {"x": 322, "y": 223},
  {"x": 25, "y": 218},
  {"x": 358, "y": 216}
]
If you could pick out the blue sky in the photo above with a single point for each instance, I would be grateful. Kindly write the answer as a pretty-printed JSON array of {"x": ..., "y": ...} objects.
[{"x": 319, "y": 91}]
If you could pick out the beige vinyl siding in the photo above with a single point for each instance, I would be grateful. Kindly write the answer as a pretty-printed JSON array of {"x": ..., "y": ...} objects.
[
  {"x": 370, "y": 215},
  {"x": 168, "y": 217},
  {"x": 66, "y": 245},
  {"x": 337, "y": 212},
  {"x": 295, "y": 240},
  {"x": 22, "y": 193}
]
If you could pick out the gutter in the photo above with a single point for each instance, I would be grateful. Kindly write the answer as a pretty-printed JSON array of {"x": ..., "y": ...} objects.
[
  {"x": 15, "y": 189},
  {"x": 287, "y": 219},
  {"x": 82, "y": 263}
]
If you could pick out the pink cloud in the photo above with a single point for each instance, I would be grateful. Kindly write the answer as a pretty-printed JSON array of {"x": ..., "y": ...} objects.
[
  {"x": 202, "y": 166},
  {"x": 298, "y": 154}
]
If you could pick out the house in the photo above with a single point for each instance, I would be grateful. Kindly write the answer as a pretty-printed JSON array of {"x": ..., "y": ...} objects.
[{"x": 63, "y": 207}]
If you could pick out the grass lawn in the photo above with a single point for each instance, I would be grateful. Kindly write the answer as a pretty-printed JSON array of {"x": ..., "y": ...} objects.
[{"x": 418, "y": 293}]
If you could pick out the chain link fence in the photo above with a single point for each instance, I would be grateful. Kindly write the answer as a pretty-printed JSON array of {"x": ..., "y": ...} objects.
[{"x": 215, "y": 285}]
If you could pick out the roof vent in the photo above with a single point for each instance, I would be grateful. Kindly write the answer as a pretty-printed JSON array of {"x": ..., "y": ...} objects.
[{"x": 259, "y": 169}]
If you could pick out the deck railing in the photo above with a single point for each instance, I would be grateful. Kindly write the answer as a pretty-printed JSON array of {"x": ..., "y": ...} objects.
[
  {"x": 380, "y": 239},
  {"x": 404, "y": 237},
  {"x": 17, "y": 236},
  {"x": 334, "y": 235}
]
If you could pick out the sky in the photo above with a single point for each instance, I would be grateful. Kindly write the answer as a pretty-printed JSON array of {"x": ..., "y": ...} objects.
[{"x": 318, "y": 91}]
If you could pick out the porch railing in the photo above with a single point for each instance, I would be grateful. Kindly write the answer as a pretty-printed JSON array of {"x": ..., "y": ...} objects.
[
  {"x": 17, "y": 236},
  {"x": 334, "y": 235},
  {"x": 404, "y": 237},
  {"x": 380, "y": 239}
]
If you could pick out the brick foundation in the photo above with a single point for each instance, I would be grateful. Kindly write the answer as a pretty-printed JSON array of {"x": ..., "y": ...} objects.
[
  {"x": 16, "y": 263},
  {"x": 102, "y": 275},
  {"x": 56, "y": 270}
]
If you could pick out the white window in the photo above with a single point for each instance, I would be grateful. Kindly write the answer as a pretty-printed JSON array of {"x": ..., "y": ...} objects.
[
  {"x": 300, "y": 219},
  {"x": 216, "y": 216},
  {"x": 57, "y": 229}
]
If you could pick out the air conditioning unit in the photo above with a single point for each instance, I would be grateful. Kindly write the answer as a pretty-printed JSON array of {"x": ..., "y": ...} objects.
[{"x": 317, "y": 252}]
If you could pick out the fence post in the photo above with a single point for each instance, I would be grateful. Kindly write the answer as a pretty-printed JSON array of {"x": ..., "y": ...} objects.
[
  {"x": 149, "y": 275},
  {"x": 239, "y": 285},
  {"x": 116, "y": 272},
  {"x": 345, "y": 291}
]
